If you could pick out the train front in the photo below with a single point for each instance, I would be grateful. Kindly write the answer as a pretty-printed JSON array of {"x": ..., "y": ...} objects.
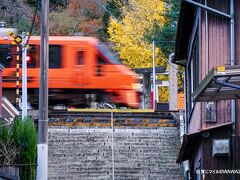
[{"x": 120, "y": 81}]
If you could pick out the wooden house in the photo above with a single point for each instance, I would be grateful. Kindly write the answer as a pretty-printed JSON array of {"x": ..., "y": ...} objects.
[{"x": 208, "y": 47}]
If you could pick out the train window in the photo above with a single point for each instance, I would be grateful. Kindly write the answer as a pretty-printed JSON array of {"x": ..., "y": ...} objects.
[
  {"x": 31, "y": 56},
  {"x": 101, "y": 60},
  {"x": 108, "y": 54},
  {"x": 80, "y": 58},
  {"x": 55, "y": 56},
  {"x": 5, "y": 58}
]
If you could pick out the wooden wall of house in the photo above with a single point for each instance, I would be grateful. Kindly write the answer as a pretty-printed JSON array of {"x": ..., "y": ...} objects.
[
  {"x": 219, "y": 54},
  {"x": 237, "y": 60},
  {"x": 237, "y": 32},
  {"x": 195, "y": 123},
  {"x": 215, "y": 51},
  {"x": 218, "y": 163},
  {"x": 218, "y": 37}
]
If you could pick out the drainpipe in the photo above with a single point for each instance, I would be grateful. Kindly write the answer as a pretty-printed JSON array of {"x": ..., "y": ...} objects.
[
  {"x": 206, "y": 39},
  {"x": 207, "y": 52},
  {"x": 233, "y": 102},
  {"x": 185, "y": 101}
]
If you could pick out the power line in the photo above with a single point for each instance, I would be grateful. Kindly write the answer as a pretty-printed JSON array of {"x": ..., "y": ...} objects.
[
  {"x": 144, "y": 34},
  {"x": 126, "y": 28},
  {"x": 155, "y": 41},
  {"x": 33, "y": 22}
]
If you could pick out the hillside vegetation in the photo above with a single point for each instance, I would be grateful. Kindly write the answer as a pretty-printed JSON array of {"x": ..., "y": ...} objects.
[
  {"x": 130, "y": 26},
  {"x": 83, "y": 16}
]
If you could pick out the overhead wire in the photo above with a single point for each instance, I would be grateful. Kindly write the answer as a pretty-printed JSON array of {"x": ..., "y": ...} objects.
[
  {"x": 33, "y": 22},
  {"x": 126, "y": 28},
  {"x": 106, "y": 10}
]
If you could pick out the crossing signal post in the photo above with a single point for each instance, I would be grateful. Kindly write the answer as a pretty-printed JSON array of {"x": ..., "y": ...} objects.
[
  {"x": 24, "y": 76},
  {"x": 17, "y": 78},
  {"x": 21, "y": 41},
  {"x": 15, "y": 42}
]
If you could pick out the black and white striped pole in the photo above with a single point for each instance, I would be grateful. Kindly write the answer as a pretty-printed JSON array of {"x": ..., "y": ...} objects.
[{"x": 17, "y": 77}]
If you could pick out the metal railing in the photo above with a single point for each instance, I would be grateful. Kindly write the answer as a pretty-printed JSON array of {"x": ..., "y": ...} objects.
[{"x": 18, "y": 171}]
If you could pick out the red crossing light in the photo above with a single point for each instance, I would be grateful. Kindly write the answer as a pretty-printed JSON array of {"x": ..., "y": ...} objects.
[{"x": 28, "y": 58}]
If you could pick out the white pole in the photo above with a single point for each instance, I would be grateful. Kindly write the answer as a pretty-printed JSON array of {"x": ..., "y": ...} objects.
[
  {"x": 24, "y": 76},
  {"x": 113, "y": 173},
  {"x": 154, "y": 77}
]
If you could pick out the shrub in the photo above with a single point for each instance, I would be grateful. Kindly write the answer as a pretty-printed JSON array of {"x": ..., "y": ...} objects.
[{"x": 18, "y": 142}]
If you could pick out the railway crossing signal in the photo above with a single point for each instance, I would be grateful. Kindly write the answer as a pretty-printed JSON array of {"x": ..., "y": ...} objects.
[
  {"x": 18, "y": 39},
  {"x": 21, "y": 41}
]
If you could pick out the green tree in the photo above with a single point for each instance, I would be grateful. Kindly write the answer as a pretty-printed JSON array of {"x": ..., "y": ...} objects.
[
  {"x": 128, "y": 33},
  {"x": 18, "y": 143},
  {"x": 112, "y": 9},
  {"x": 165, "y": 35},
  {"x": 52, "y": 3}
]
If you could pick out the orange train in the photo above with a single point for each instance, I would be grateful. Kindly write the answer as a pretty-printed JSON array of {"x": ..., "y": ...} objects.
[{"x": 79, "y": 68}]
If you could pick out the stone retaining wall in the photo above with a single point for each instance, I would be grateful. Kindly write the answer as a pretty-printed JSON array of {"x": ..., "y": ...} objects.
[{"x": 86, "y": 153}]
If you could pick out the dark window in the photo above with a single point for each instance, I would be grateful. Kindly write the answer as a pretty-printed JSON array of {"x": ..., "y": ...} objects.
[
  {"x": 99, "y": 67},
  {"x": 104, "y": 51},
  {"x": 211, "y": 109},
  {"x": 100, "y": 60},
  {"x": 189, "y": 90},
  {"x": 5, "y": 55},
  {"x": 193, "y": 73},
  {"x": 55, "y": 56},
  {"x": 195, "y": 64},
  {"x": 31, "y": 56},
  {"x": 80, "y": 58}
]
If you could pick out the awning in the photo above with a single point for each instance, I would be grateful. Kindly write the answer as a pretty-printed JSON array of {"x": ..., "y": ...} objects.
[
  {"x": 191, "y": 141},
  {"x": 221, "y": 83}
]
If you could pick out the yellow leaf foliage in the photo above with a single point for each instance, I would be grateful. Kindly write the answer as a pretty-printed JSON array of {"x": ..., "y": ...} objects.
[
  {"x": 163, "y": 94},
  {"x": 139, "y": 17}
]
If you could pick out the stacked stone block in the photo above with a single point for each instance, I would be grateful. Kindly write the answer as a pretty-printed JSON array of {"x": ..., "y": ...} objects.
[{"x": 78, "y": 153}]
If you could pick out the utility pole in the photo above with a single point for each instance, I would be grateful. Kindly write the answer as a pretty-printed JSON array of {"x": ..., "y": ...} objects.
[
  {"x": 42, "y": 160},
  {"x": 154, "y": 77},
  {"x": 113, "y": 166},
  {"x": 24, "y": 76}
]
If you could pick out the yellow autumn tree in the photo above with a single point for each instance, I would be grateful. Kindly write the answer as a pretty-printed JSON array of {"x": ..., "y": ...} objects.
[
  {"x": 128, "y": 35},
  {"x": 139, "y": 16}
]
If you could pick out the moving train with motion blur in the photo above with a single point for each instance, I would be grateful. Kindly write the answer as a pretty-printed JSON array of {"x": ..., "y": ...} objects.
[{"x": 81, "y": 70}]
